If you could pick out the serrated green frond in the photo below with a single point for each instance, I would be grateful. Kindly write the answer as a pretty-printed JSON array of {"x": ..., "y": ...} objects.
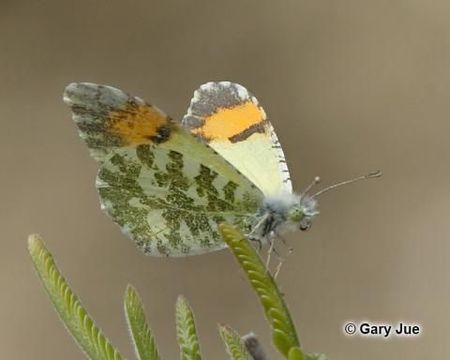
[
  {"x": 76, "y": 319},
  {"x": 143, "y": 341},
  {"x": 284, "y": 335},
  {"x": 186, "y": 333},
  {"x": 234, "y": 345}
]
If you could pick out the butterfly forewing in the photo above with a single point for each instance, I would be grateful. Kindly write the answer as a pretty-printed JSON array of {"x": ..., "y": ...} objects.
[{"x": 229, "y": 119}]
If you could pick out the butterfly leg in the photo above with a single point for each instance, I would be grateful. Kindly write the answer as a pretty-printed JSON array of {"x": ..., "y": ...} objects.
[
  {"x": 256, "y": 240},
  {"x": 278, "y": 268},
  {"x": 258, "y": 225},
  {"x": 281, "y": 262},
  {"x": 269, "y": 253},
  {"x": 272, "y": 249},
  {"x": 254, "y": 234},
  {"x": 281, "y": 259}
]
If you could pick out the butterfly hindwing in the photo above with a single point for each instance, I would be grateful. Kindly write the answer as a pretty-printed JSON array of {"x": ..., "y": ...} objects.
[
  {"x": 164, "y": 188},
  {"x": 230, "y": 120}
]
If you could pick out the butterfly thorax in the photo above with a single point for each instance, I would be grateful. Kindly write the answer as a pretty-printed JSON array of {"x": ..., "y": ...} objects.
[{"x": 282, "y": 213}]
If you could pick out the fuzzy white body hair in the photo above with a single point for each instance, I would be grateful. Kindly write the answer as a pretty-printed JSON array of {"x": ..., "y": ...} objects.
[{"x": 279, "y": 206}]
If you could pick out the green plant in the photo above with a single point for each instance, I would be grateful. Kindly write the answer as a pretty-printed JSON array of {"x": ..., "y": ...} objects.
[{"x": 96, "y": 346}]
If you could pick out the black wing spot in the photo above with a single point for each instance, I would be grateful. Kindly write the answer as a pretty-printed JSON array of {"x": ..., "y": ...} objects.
[{"x": 162, "y": 135}]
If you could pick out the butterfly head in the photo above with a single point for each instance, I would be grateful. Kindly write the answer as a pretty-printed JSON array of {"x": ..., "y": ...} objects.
[
  {"x": 288, "y": 212},
  {"x": 303, "y": 212}
]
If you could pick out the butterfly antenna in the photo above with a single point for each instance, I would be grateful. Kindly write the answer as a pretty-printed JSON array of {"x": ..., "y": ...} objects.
[
  {"x": 309, "y": 187},
  {"x": 371, "y": 175}
]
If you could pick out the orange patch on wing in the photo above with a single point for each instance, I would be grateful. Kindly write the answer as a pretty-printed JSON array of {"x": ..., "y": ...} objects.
[
  {"x": 136, "y": 125},
  {"x": 228, "y": 122}
]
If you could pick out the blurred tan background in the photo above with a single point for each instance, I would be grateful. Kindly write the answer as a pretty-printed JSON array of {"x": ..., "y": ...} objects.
[{"x": 350, "y": 86}]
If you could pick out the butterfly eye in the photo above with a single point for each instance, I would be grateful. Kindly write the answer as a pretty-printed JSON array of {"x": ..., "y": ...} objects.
[{"x": 305, "y": 225}]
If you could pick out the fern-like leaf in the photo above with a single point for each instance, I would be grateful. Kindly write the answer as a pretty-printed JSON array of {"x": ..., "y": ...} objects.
[
  {"x": 143, "y": 341},
  {"x": 76, "y": 319},
  {"x": 235, "y": 347},
  {"x": 186, "y": 332},
  {"x": 284, "y": 334}
]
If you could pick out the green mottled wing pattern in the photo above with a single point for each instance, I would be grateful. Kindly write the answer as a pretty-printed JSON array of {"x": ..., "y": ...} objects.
[{"x": 165, "y": 189}]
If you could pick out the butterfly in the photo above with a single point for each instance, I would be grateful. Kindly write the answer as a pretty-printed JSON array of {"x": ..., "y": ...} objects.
[{"x": 169, "y": 184}]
